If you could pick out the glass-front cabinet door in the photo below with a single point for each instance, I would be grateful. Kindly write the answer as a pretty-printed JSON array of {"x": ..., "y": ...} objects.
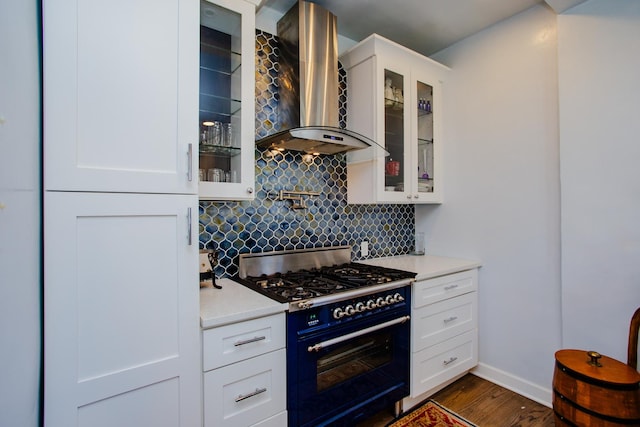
[
  {"x": 395, "y": 98},
  {"x": 226, "y": 112},
  {"x": 426, "y": 182},
  {"x": 395, "y": 116}
]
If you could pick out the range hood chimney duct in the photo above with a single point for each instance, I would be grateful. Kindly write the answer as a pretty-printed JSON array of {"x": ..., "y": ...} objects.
[{"x": 308, "y": 85}]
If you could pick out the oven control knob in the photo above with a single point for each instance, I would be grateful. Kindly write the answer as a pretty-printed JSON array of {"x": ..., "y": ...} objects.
[
  {"x": 398, "y": 297},
  {"x": 349, "y": 310},
  {"x": 371, "y": 304},
  {"x": 389, "y": 299},
  {"x": 380, "y": 302},
  {"x": 338, "y": 313},
  {"x": 360, "y": 307}
]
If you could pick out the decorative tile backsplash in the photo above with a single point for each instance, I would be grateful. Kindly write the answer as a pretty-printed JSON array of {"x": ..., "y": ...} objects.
[{"x": 267, "y": 224}]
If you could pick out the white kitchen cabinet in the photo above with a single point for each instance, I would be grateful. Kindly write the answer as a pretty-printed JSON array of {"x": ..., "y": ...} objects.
[
  {"x": 244, "y": 367},
  {"x": 444, "y": 331},
  {"x": 120, "y": 96},
  {"x": 121, "y": 330},
  {"x": 226, "y": 107},
  {"x": 394, "y": 98},
  {"x": 121, "y": 343}
]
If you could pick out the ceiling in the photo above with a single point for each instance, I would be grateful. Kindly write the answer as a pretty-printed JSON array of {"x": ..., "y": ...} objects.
[{"x": 425, "y": 26}]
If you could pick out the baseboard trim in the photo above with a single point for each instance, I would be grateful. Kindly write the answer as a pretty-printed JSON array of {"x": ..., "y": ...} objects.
[{"x": 516, "y": 384}]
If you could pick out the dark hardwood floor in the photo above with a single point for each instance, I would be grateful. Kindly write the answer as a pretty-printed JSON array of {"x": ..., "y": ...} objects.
[{"x": 484, "y": 404}]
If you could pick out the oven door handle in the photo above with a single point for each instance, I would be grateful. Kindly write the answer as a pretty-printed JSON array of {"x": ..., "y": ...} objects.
[{"x": 361, "y": 332}]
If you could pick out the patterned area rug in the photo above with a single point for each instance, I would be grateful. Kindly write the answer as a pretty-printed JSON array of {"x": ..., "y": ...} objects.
[{"x": 431, "y": 414}]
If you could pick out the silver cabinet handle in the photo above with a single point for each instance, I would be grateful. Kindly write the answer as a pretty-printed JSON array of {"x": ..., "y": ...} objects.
[
  {"x": 249, "y": 341},
  {"x": 250, "y": 190},
  {"x": 448, "y": 288},
  {"x": 189, "y": 226},
  {"x": 361, "y": 332},
  {"x": 248, "y": 395},
  {"x": 450, "y": 319},
  {"x": 190, "y": 165},
  {"x": 451, "y": 360}
]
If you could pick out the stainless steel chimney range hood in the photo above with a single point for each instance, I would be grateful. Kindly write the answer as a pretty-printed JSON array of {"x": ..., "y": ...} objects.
[{"x": 308, "y": 86}]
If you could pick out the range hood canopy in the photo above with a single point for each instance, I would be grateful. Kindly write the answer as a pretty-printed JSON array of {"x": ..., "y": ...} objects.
[
  {"x": 316, "y": 140},
  {"x": 308, "y": 86}
]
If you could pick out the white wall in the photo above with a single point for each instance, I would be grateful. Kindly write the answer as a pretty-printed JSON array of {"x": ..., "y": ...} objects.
[
  {"x": 502, "y": 193},
  {"x": 19, "y": 214},
  {"x": 599, "y": 79}
]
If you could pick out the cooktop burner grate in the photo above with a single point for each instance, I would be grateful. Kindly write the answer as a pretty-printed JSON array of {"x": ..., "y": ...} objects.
[{"x": 315, "y": 282}]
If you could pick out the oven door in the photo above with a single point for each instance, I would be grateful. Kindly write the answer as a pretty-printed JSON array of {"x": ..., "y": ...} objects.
[{"x": 350, "y": 372}]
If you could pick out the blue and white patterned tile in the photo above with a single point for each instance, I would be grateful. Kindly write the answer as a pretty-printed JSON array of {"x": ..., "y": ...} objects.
[{"x": 267, "y": 224}]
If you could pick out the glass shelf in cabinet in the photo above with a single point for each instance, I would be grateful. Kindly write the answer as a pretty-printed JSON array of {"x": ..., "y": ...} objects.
[
  {"x": 422, "y": 141},
  {"x": 218, "y": 59},
  {"x": 424, "y": 113},
  {"x": 219, "y": 150},
  {"x": 425, "y": 185},
  {"x": 391, "y": 106},
  {"x": 213, "y": 104}
]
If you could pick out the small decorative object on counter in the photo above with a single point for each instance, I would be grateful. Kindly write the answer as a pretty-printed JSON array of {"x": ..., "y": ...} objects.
[
  {"x": 208, "y": 262},
  {"x": 419, "y": 244}
]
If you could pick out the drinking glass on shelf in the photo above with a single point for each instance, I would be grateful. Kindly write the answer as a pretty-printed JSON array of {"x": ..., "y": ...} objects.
[
  {"x": 228, "y": 135},
  {"x": 215, "y": 175},
  {"x": 216, "y": 133},
  {"x": 212, "y": 133}
]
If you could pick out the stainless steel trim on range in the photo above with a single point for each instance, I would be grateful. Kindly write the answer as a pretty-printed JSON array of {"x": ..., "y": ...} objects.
[
  {"x": 298, "y": 259},
  {"x": 342, "y": 296},
  {"x": 347, "y": 337}
]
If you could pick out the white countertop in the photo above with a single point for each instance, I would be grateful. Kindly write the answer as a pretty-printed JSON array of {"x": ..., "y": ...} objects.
[
  {"x": 234, "y": 303},
  {"x": 426, "y": 266}
]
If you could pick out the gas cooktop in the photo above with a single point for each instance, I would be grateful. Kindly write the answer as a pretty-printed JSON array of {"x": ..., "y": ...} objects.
[{"x": 295, "y": 283}]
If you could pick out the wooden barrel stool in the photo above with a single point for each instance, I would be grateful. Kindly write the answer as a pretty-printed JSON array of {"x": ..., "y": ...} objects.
[{"x": 594, "y": 390}]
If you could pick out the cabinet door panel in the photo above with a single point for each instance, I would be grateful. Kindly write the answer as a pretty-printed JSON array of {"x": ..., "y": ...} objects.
[
  {"x": 405, "y": 90},
  {"x": 439, "y": 363},
  {"x": 440, "y": 288},
  {"x": 136, "y": 408},
  {"x": 120, "y": 95},
  {"x": 427, "y": 135},
  {"x": 443, "y": 320},
  {"x": 121, "y": 305},
  {"x": 239, "y": 341},
  {"x": 246, "y": 392}
]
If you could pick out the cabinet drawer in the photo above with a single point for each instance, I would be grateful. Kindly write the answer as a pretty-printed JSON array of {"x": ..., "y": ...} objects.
[
  {"x": 239, "y": 341},
  {"x": 441, "y": 362},
  {"x": 433, "y": 290},
  {"x": 443, "y": 320},
  {"x": 247, "y": 392},
  {"x": 279, "y": 420}
]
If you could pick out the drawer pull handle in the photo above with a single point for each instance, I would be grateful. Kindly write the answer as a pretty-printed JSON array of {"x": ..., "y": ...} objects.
[
  {"x": 450, "y": 319},
  {"x": 253, "y": 393},
  {"x": 249, "y": 341},
  {"x": 451, "y": 360},
  {"x": 448, "y": 288}
]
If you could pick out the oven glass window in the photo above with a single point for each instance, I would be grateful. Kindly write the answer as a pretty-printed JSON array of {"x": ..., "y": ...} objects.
[{"x": 354, "y": 358}]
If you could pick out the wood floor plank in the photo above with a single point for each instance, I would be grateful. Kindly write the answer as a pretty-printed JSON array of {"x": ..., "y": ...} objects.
[{"x": 485, "y": 404}]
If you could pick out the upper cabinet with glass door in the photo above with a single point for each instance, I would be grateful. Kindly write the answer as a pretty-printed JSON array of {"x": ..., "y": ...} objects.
[
  {"x": 394, "y": 98},
  {"x": 226, "y": 117}
]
